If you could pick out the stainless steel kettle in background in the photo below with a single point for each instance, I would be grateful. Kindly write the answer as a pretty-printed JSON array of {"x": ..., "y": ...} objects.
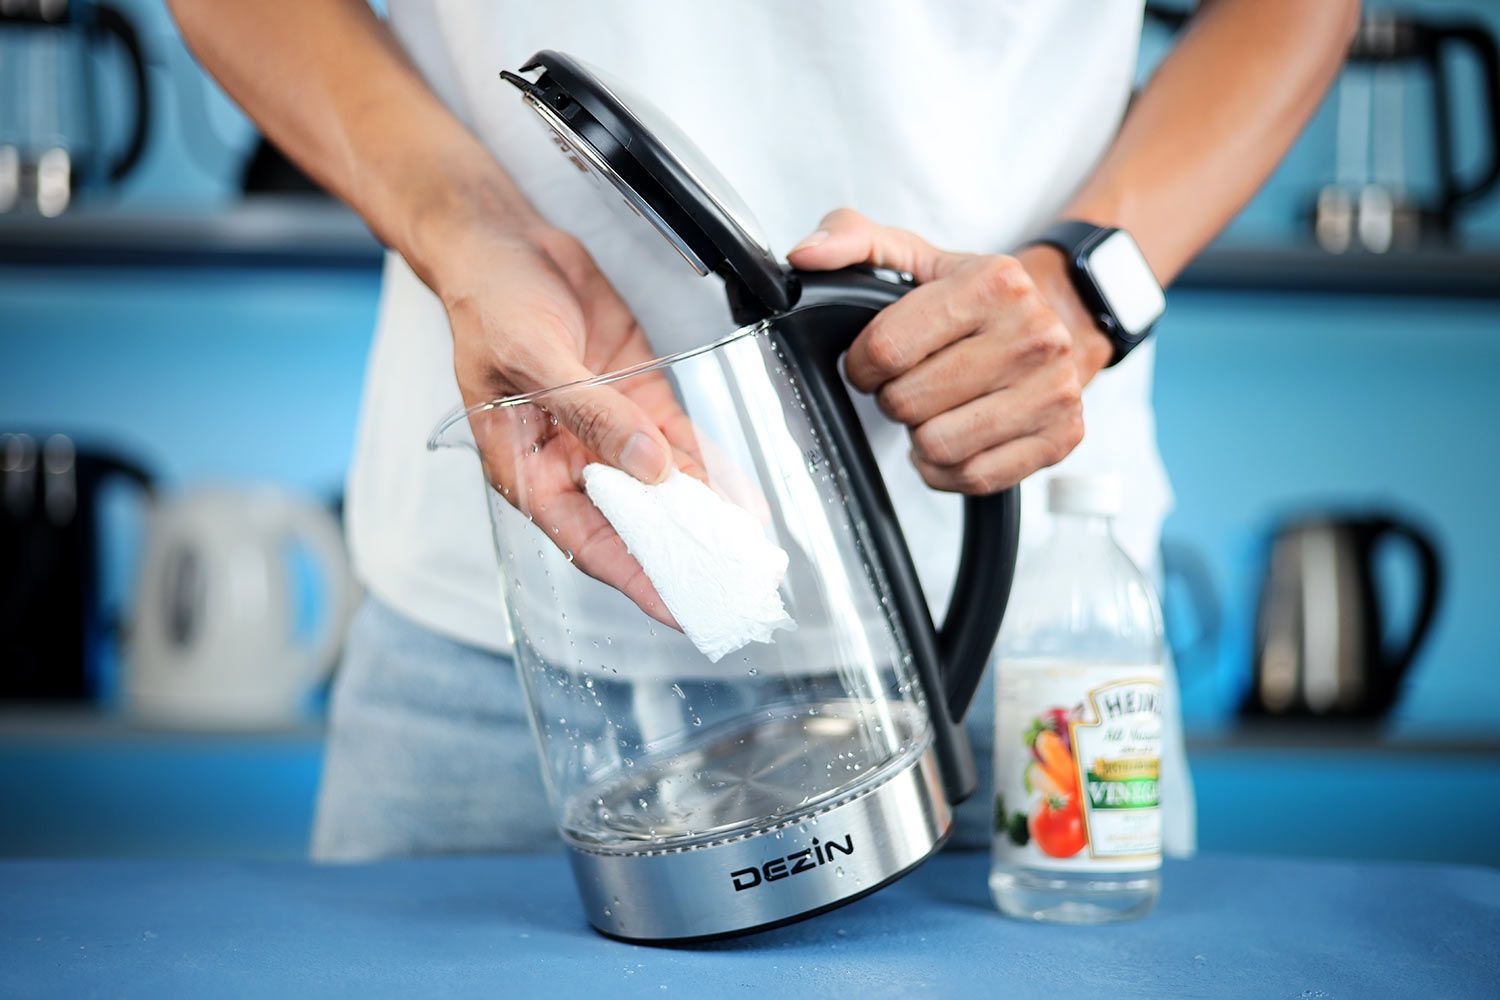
[{"x": 1322, "y": 645}]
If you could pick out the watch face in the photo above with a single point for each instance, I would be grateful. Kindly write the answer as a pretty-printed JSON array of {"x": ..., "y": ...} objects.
[{"x": 1125, "y": 280}]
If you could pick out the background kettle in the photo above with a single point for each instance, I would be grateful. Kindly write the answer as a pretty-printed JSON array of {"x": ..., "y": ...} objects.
[
  {"x": 213, "y": 639},
  {"x": 55, "y": 623},
  {"x": 1391, "y": 192},
  {"x": 1321, "y": 643},
  {"x": 57, "y": 141}
]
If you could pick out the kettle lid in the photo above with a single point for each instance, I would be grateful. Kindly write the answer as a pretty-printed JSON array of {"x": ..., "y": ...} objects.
[{"x": 607, "y": 130}]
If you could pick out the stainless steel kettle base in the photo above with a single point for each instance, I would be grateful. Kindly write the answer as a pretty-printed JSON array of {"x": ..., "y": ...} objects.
[{"x": 816, "y": 860}]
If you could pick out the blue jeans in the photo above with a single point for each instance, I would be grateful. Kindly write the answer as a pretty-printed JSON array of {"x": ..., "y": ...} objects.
[{"x": 430, "y": 751}]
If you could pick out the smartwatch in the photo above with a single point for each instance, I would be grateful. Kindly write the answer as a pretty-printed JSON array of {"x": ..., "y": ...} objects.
[{"x": 1113, "y": 280}]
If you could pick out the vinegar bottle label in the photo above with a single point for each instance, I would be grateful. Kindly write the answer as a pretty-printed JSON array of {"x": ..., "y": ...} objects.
[{"x": 1077, "y": 761}]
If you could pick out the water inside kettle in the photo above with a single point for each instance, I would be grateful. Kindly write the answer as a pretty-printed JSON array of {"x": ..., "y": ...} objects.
[{"x": 762, "y": 770}]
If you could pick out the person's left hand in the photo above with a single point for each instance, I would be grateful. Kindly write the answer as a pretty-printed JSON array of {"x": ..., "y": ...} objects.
[{"x": 985, "y": 361}]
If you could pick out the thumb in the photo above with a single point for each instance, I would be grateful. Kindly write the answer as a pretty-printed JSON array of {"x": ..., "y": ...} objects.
[
  {"x": 845, "y": 238},
  {"x": 612, "y": 427}
]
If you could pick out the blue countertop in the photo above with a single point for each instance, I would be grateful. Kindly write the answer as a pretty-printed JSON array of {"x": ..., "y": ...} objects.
[{"x": 511, "y": 926}]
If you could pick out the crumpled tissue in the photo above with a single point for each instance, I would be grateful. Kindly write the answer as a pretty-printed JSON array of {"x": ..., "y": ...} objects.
[{"x": 708, "y": 558}]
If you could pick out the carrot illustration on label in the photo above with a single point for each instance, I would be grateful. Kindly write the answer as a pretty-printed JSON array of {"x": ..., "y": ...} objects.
[{"x": 1057, "y": 761}]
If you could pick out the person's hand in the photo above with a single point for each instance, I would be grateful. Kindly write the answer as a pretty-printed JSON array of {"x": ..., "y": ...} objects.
[
  {"x": 985, "y": 361},
  {"x": 530, "y": 310}
]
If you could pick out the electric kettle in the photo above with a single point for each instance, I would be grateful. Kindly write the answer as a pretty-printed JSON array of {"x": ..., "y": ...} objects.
[
  {"x": 56, "y": 114},
  {"x": 1388, "y": 195},
  {"x": 214, "y": 641},
  {"x": 56, "y": 621},
  {"x": 699, "y": 799},
  {"x": 1321, "y": 639}
]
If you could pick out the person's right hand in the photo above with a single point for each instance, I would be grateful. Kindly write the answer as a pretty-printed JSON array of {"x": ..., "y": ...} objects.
[{"x": 530, "y": 310}]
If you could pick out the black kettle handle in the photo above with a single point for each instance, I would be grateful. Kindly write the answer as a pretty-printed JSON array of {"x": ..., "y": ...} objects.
[
  {"x": 110, "y": 22},
  {"x": 1394, "y": 662},
  {"x": 832, "y": 310},
  {"x": 1481, "y": 44},
  {"x": 981, "y": 590}
]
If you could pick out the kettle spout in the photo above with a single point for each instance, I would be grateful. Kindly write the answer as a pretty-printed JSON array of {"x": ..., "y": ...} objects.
[{"x": 454, "y": 430}]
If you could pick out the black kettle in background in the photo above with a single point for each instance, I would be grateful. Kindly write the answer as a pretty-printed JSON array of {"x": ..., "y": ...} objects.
[
  {"x": 1380, "y": 199},
  {"x": 51, "y": 619},
  {"x": 1322, "y": 646},
  {"x": 54, "y": 142}
]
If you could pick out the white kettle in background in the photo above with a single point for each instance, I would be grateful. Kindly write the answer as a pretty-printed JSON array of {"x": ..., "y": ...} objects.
[{"x": 213, "y": 640}]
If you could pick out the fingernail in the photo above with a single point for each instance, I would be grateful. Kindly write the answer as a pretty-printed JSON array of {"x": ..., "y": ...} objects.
[
  {"x": 643, "y": 458},
  {"x": 816, "y": 238}
]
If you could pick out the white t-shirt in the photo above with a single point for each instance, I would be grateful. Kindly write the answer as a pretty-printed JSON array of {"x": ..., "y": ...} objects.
[{"x": 969, "y": 123}]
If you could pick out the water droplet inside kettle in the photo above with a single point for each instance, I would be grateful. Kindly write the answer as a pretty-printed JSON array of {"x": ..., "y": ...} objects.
[
  {"x": 752, "y": 671},
  {"x": 839, "y": 872},
  {"x": 697, "y": 721}
]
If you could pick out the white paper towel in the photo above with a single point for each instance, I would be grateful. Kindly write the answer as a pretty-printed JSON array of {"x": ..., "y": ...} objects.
[{"x": 709, "y": 559}]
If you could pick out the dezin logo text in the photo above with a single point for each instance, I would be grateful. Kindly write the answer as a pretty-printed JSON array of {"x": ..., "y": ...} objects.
[{"x": 795, "y": 863}]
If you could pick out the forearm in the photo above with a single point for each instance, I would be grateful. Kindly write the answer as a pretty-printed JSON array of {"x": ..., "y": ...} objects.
[
  {"x": 1213, "y": 121},
  {"x": 328, "y": 83}
]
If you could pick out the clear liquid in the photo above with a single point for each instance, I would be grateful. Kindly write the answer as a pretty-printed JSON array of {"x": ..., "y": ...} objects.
[
  {"x": 1073, "y": 897},
  {"x": 743, "y": 775}
]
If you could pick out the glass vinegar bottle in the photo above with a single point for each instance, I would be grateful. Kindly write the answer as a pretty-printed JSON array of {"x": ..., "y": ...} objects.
[{"x": 1077, "y": 821}]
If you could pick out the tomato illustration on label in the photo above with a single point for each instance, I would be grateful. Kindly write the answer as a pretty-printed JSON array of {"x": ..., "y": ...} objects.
[{"x": 1057, "y": 827}]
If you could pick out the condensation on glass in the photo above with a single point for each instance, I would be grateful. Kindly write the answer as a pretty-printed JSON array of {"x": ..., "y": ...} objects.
[{"x": 645, "y": 744}]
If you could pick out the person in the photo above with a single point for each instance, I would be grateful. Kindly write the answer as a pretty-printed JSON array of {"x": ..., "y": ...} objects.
[{"x": 962, "y": 124}]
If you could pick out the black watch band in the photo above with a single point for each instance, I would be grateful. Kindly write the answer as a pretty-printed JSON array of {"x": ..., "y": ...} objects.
[{"x": 1077, "y": 240}]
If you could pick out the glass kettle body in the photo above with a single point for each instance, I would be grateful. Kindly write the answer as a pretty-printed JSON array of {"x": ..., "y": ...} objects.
[
  {"x": 703, "y": 797},
  {"x": 689, "y": 792}
]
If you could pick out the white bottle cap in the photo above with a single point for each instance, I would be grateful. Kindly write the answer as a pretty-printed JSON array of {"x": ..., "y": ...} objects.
[{"x": 1101, "y": 496}]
